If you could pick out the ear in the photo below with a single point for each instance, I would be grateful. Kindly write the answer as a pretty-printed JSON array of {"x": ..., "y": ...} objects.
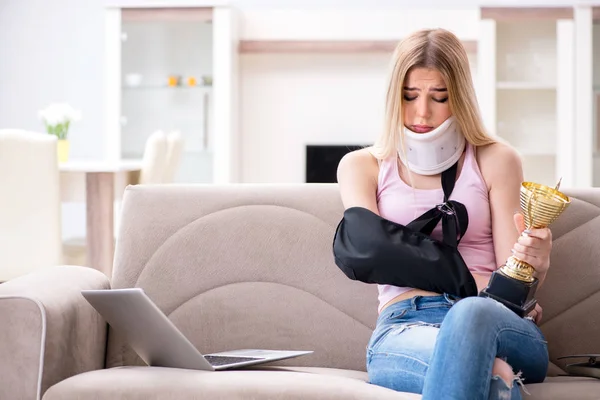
[{"x": 519, "y": 222}]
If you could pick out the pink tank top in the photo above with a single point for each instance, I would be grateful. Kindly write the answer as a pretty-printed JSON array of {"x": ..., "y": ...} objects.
[{"x": 399, "y": 202}]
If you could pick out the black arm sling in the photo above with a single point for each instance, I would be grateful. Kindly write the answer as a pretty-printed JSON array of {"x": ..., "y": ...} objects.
[{"x": 372, "y": 249}]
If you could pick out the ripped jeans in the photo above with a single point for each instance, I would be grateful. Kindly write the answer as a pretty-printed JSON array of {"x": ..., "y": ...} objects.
[{"x": 445, "y": 349}]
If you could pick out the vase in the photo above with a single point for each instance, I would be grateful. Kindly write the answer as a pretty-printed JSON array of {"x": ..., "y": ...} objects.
[{"x": 63, "y": 150}]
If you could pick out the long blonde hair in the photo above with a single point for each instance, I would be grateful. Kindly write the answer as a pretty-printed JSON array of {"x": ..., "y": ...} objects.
[{"x": 441, "y": 50}]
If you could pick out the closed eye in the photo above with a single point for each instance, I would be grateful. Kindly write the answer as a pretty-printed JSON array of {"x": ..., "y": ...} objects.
[{"x": 408, "y": 98}]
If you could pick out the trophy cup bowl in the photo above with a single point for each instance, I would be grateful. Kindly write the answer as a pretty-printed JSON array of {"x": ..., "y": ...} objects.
[{"x": 514, "y": 284}]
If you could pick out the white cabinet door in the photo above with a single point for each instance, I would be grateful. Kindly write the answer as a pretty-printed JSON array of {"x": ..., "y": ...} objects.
[
  {"x": 526, "y": 80},
  {"x": 166, "y": 71},
  {"x": 583, "y": 83}
]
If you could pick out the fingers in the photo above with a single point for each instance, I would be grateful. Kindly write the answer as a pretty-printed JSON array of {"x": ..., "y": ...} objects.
[
  {"x": 529, "y": 242},
  {"x": 540, "y": 233},
  {"x": 533, "y": 245},
  {"x": 526, "y": 257},
  {"x": 538, "y": 317},
  {"x": 531, "y": 250},
  {"x": 536, "y": 314},
  {"x": 519, "y": 222},
  {"x": 537, "y": 239}
]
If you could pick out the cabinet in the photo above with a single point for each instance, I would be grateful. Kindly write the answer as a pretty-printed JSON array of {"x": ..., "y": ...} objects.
[
  {"x": 527, "y": 86},
  {"x": 173, "y": 69},
  {"x": 596, "y": 100}
]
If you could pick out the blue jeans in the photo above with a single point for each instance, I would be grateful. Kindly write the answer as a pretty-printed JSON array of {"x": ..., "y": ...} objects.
[{"x": 445, "y": 349}]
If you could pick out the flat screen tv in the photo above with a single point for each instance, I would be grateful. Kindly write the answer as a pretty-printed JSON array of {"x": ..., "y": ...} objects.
[{"x": 322, "y": 161}]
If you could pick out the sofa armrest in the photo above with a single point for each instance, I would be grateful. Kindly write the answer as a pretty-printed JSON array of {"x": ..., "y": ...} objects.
[{"x": 48, "y": 331}]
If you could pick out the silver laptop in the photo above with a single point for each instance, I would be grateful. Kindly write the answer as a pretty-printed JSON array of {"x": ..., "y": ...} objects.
[{"x": 158, "y": 341}]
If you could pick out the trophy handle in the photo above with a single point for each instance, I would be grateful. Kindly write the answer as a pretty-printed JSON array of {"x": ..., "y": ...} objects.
[{"x": 529, "y": 220}]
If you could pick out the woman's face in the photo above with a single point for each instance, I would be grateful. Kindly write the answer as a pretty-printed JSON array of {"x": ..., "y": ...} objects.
[{"x": 425, "y": 100}]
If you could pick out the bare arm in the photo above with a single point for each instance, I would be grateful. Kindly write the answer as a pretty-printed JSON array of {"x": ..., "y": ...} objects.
[
  {"x": 503, "y": 172},
  {"x": 357, "y": 179}
]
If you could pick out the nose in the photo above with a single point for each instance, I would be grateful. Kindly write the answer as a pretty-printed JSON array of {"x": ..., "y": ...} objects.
[{"x": 423, "y": 109}]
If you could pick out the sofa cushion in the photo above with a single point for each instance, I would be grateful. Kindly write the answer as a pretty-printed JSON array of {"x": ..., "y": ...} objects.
[
  {"x": 150, "y": 383},
  {"x": 564, "y": 388},
  {"x": 267, "y": 383},
  {"x": 553, "y": 388}
]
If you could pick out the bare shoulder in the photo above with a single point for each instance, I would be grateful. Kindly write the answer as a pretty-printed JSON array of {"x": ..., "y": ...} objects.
[
  {"x": 357, "y": 177},
  {"x": 359, "y": 162},
  {"x": 499, "y": 163}
]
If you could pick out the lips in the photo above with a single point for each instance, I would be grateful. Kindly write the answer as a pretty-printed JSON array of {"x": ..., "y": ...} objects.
[{"x": 421, "y": 128}]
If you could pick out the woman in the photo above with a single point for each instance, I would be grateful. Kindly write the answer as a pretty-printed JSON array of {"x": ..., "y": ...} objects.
[{"x": 426, "y": 342}]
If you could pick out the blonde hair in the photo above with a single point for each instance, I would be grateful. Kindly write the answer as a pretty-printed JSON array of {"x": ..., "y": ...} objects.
[{"x": 435, "y": 49}]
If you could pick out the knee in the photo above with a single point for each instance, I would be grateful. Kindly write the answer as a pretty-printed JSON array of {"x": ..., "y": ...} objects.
[
  {"x": 476, "y": 312},
  {"x": 504, "y": 371}
]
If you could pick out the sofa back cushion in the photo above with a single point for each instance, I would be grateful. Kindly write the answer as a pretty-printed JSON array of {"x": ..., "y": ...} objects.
[
  {"x": 570, "y": 295},
  {"x": 244, "y": 266},
  {"x": 251, "y": 266}
]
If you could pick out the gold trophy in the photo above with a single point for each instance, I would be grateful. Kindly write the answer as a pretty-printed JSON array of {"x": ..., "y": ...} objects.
[{"x": 514, "y": 284}]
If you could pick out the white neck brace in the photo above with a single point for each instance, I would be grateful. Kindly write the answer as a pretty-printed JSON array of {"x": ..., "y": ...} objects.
[{"x": 433, "y": 152}]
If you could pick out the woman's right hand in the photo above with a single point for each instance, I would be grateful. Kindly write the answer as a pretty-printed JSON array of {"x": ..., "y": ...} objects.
[{"x": 536, "y": 314}]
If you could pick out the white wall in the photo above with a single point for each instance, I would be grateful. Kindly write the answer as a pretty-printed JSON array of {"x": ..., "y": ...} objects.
[
  {"x": 53, "y": 51},
  {"x": 288, "y": 101},
  {"x": 291, "y": 100}
]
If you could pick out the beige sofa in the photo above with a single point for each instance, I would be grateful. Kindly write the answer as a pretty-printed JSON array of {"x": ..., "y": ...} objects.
[{"x": 250, "y": 266}]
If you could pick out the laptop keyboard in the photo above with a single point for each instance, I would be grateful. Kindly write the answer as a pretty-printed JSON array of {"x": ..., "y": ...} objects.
[{"x": 215, "y": 361}]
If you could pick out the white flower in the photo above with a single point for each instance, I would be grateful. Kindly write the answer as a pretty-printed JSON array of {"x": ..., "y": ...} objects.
[
  {"x": 59, "y": 113},
  {"x": 57, "y": 117}
]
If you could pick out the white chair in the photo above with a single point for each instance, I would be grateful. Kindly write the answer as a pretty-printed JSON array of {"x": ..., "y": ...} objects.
[
  {"x": 154, "y": 165},
  {"x": 30, "y": 213},
  {"x": 154, "y": 160},
  {"x": 174, "y": 152}
]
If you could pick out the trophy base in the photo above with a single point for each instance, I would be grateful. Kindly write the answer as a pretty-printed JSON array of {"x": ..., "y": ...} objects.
[{"x": 516, "y": 295}]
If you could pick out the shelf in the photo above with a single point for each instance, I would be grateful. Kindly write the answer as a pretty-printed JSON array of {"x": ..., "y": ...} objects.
[
  {"x": 165, "y": 87},
  {"x": 516, "y": 85},
  {"x": 328, "y": 46}
]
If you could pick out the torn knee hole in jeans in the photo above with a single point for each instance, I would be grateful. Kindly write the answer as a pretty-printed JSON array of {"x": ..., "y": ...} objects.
[
  {"x": 398, "y": 329},
  {"x": 516, "y": 379}
]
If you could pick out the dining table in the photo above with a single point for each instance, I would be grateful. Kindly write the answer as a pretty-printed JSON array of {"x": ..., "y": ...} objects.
[{"x": 100, "y": 177}]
